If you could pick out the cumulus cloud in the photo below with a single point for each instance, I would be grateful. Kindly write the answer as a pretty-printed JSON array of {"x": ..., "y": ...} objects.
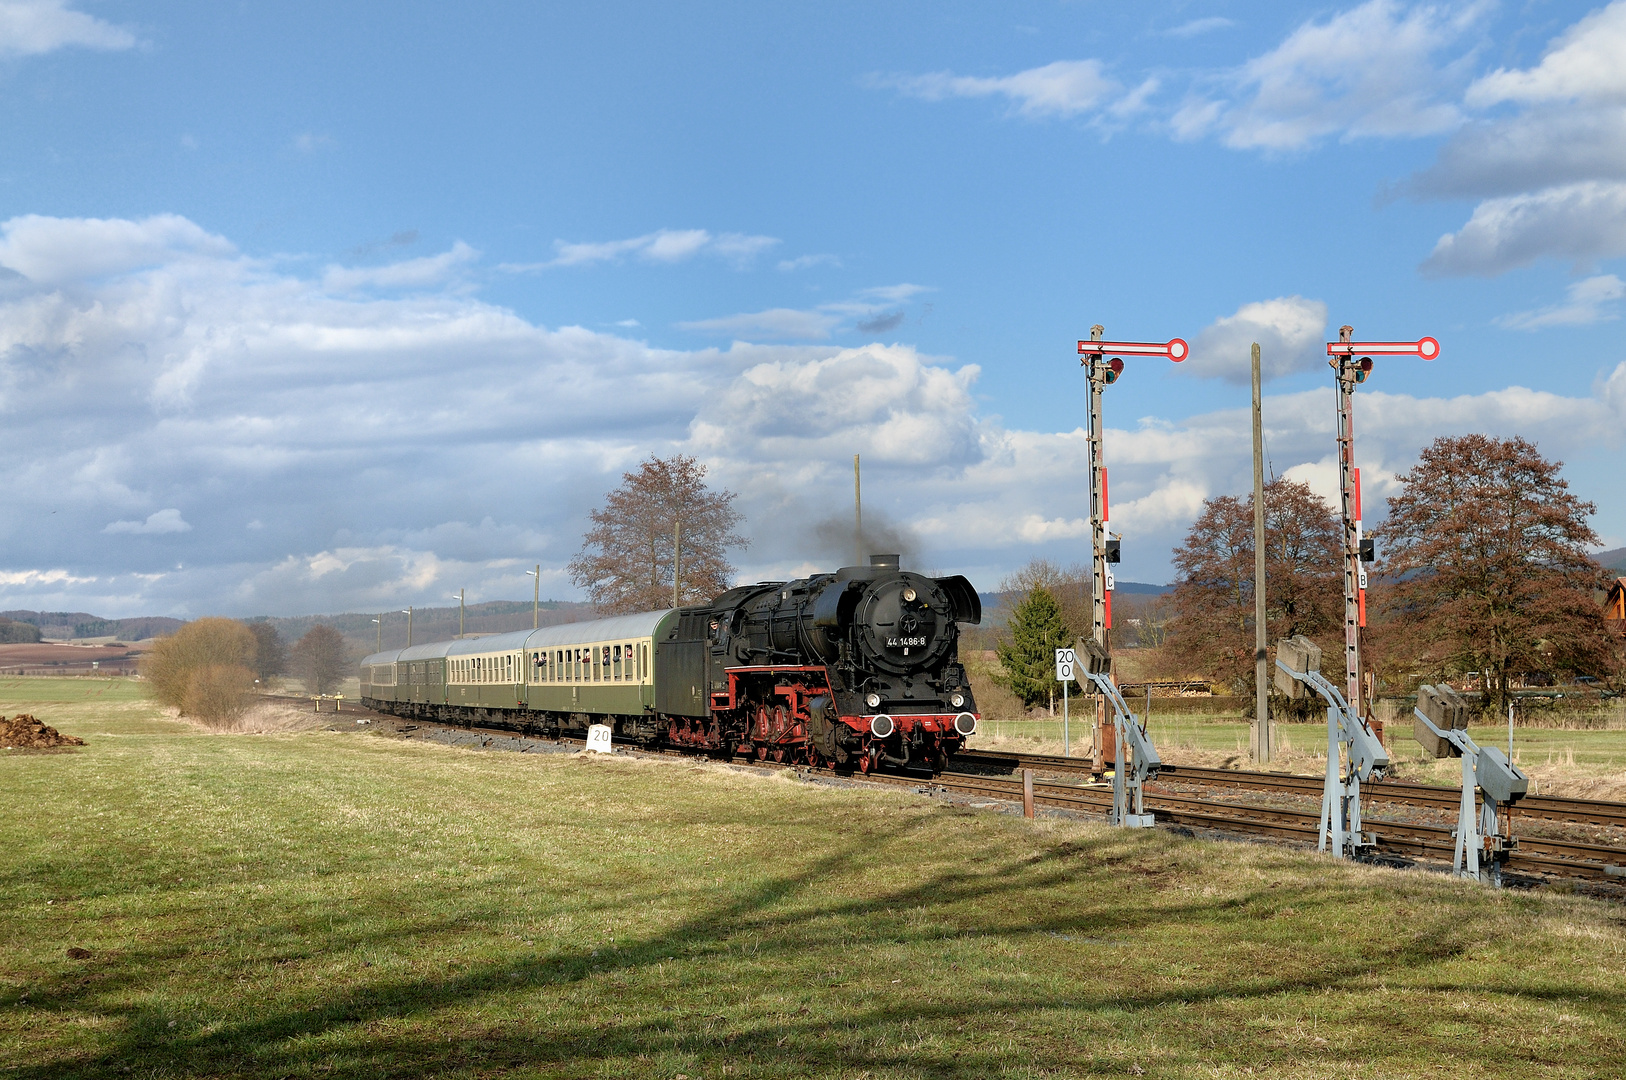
[
  {"x": 1290, "y": 331},
  {"x": 1582, "y": 222},
  {"x": 1582, "y": 64},
  {"x": 158, "y": 523},
  {"x": 661, "y": 246},
  {"x": 55, "y": 250},
  {"x": 1063, "y": 88},
  {"x": 32, "y": 27},
  {"x": 1552, "y": 173},
  {"x": 1589, "y": 301},
  {"x": 1374, "y": 70},
  {"x": 341, "y": 450}
]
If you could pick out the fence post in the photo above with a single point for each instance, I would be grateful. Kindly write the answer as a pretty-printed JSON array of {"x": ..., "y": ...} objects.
[{"x": 1027, "y": 793}]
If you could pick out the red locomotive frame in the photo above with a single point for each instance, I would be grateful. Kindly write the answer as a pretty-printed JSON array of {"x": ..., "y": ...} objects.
[{"x": 750, "y": 716}]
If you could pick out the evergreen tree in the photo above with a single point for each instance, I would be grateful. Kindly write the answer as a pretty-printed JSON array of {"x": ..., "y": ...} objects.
[{"x": 1037, "y": 630}]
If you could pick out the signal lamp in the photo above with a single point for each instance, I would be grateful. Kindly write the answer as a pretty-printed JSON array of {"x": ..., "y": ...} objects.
[
  {"x": 1365, "y": 363},
  {"x": 1369, "y": 549},
  {"x": 1113, "y": 550},
  {"x": 1116, "y": 364}
]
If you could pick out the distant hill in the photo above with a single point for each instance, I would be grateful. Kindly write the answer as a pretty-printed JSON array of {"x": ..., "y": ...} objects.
[
  {"x": 1614, "y": 559},
  {"x": 431, "y": 624},
  {"x": 82, "y": 624}
]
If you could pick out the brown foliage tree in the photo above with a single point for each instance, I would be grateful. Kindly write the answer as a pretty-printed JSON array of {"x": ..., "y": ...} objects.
[
  {"x": 1212, "y": 628},
  {"x": 625, "y": 564},
  {"x": 1487, "y": 564},
  {"x": 321, "y": 659},
  {"x": 204, "y": 669}
]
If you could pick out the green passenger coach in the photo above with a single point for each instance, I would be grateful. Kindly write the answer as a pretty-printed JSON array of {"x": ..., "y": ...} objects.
[{"x": 558, "y": 678}]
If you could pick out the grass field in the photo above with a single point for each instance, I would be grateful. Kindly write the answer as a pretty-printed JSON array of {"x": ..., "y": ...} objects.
[{"x": 339, "y": 904}]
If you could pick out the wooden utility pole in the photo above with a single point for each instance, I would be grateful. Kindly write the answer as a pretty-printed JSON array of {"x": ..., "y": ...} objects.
[{"x": 1261, "y": 680}]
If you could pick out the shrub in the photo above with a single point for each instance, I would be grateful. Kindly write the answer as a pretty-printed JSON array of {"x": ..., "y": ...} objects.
[
  {"x": 204, "y": 669},
  {"x": 218, "y": 694}
]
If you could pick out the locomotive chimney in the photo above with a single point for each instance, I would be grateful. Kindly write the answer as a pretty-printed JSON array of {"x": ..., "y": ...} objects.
[{"x": 884, "y": 562}]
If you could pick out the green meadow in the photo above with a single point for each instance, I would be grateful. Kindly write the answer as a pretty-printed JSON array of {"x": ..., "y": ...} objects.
[{"x": 175, "y": 903}]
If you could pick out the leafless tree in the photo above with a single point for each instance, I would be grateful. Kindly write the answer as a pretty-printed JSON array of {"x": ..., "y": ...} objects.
[
  {"x": 626, "y": 560},
  {"x": 1488, "y": 567},
  {"x": 321, "y": 659},
  {"x": 1212, "y": 628}
]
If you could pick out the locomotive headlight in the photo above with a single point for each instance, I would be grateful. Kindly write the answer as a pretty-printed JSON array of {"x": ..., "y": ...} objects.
[
  {"x": 957, "y": 700},
  {"x": 873, "y": 701},
  {"x": 909, "y": 596}
]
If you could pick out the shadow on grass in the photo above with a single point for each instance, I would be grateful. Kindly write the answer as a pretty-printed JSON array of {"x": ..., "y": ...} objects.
[{"x": 338, "y": 1034}]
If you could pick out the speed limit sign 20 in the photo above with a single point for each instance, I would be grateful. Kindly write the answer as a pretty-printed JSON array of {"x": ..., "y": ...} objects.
[{"x": 1065, "y": 661}]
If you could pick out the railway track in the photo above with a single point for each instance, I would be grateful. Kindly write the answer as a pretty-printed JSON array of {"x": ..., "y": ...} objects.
[
  {"x": 1540, "y": 857},
  {"x": 1537, "y": 856},
  {"x": 1546, "y": 807}
]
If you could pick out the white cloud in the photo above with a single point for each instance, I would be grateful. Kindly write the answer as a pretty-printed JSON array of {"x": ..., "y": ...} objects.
[
  {"x": 1064, "y": 88},
  {"x": 1290, "y": 331},
  {"x": 1367, "y": 72},
  {"x": 818, "y": 323},
  {"x": 1583, "y": 222},
  {"x": 52, "y": 250},
  {"x": 775, "y": 323},
  {"x": 395, "y": 449},
  {"x": 425, "y": 272},
  {"x": 32, "y": 27},
  {"x": 1197, "y": 27},
  {"x": 1586, "y": 302},
  {"x": 1582, "y": 64},
  {"x": 803, "y": 262},
  {"x": 1539, "y": 148},
  {"x": 661, "y": 246},
  {"x": 1554, "y": 170},
  {"x": 163, "y": 521}
]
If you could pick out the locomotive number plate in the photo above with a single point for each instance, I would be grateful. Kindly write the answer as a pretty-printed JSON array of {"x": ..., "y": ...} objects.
[{"x": 904, "y": 642}]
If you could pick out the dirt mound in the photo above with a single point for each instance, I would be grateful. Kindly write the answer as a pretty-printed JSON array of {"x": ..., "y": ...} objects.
[{"x": 25, "y": 731}]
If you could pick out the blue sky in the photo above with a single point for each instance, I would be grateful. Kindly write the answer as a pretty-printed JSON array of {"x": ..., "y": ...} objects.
[{"x": 326, "y": 307}]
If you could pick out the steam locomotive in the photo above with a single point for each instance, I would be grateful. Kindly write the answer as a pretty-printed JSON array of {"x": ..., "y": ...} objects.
[{"x": 856, "y": 670}]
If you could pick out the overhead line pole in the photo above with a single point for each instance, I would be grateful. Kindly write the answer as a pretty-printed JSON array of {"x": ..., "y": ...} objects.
[{"x": 1261, "y": 681}]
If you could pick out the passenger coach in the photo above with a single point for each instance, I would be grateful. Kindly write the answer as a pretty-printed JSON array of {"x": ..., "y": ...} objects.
[{"x": 568, "y": 676}]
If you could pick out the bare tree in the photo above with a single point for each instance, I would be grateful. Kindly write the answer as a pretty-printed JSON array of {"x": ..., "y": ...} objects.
[
  {"x": 321, "y": 659},
  {"x": 1488, "y": 567},
  {"x": 626, "y": 560},
  {"x": 1212, "y": 628}
]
